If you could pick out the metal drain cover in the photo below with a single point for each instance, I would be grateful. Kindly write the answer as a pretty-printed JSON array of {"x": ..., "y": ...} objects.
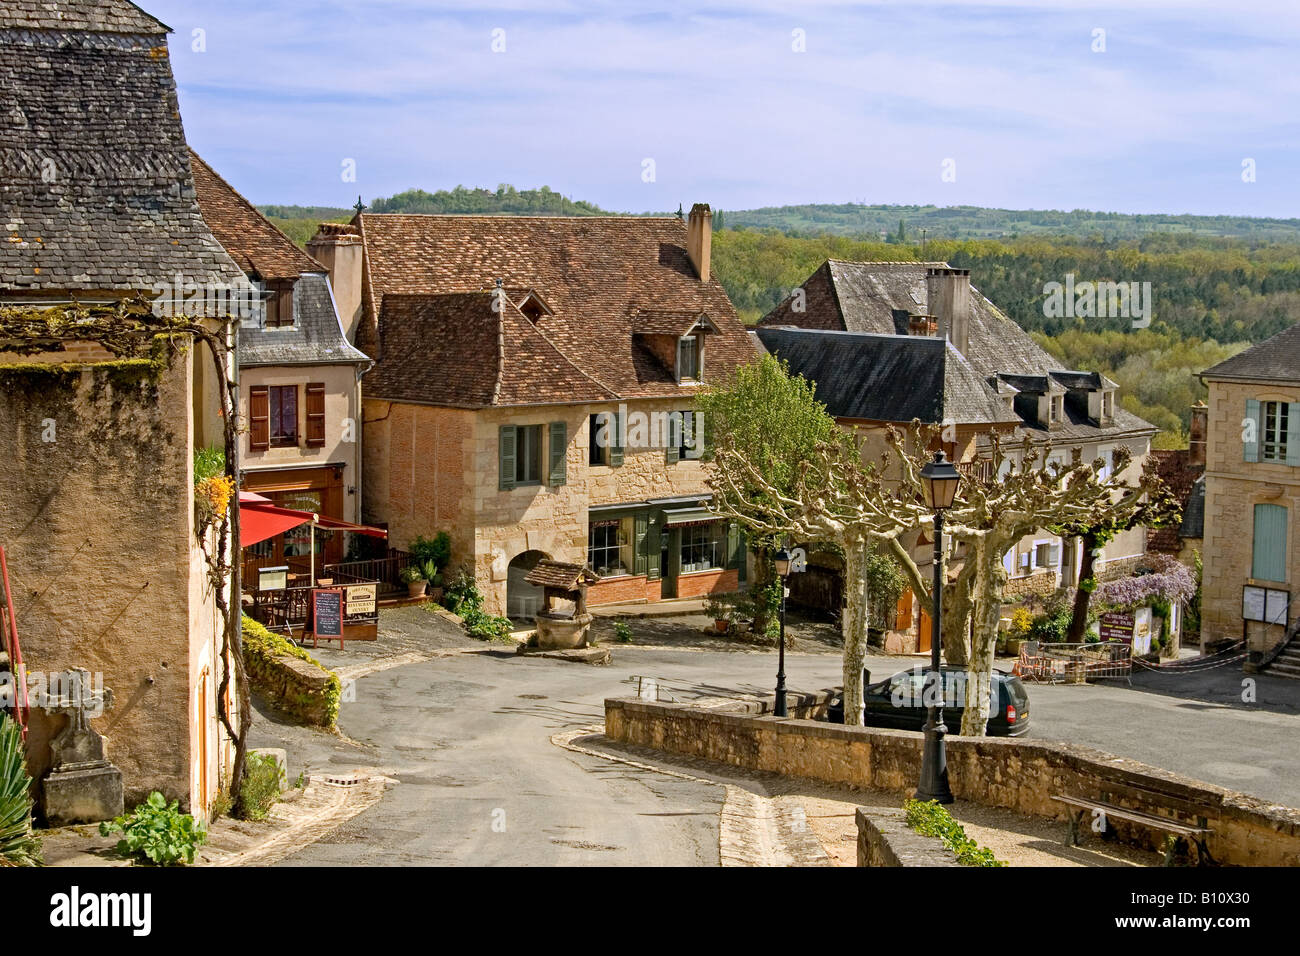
[{"x": 343, "y": 779}]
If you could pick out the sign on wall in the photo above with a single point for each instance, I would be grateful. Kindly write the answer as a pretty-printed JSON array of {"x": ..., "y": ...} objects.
[
  {"x": 361, "y": 598},
  {"x": 1267, "y": 605}
]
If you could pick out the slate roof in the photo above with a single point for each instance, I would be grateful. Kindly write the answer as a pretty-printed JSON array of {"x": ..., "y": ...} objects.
[
  {"x": 560, "y": 575},
  {"x": 253, "y": 241},
  {"x": 596, "y": 273},
  {"x": 889, "y": 378},
  {"x": 97, "y": 192},
  {"x": 877, "y": 298},
  {"x": 1274, "y": 360},
  {"x": 1183, "y": 479},
  {"x": 316, "y": 337},
  {"x": 93, "y": 16},
  {"x": 459, "y": 350}
]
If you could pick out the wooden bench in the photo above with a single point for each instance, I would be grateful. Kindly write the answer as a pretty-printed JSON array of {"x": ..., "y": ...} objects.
[{"x": 1182, "y": 832}]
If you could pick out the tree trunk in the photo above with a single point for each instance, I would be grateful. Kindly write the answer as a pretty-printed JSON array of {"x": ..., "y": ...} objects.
[
  {"x": 855, "y": 629},
  {"x": 957, "y": 608},
  {"x": 1083, "y": 596},
  {"x": 764, "y": 574},
  {"x": 989, "y": 575}
]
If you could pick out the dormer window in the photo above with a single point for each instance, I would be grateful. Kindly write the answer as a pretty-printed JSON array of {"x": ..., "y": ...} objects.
[
  {"x": 1055, "y": 409},
  {"x": 277, "y": 303},
  {"x": 688, "y": 359},
  {"x": 1108, "y": 405}
]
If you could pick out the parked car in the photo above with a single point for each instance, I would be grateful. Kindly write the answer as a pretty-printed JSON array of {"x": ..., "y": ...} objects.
[{"x": 900, "y": 702}]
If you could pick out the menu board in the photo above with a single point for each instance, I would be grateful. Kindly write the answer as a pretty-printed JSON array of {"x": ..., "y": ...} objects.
[
  {"x": 327, "y": 612},
  {"x": 1117, "y": 626},
  {"x": 1264, "y": 604},
  {"x": 361, "y": 598}
]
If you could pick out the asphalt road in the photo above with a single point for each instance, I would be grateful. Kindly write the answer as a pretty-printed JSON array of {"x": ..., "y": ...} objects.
[{"x": 481, "y": 783}]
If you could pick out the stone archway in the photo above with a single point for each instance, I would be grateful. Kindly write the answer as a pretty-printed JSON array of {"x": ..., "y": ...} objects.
[{"x": 523, "y": 600}]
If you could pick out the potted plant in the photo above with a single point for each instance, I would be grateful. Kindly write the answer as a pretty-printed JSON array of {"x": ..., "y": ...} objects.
[
  {"x": 721, "y": 612},
  {"x": 414, "y": 580},
  {"x": 434, "y": 578}
]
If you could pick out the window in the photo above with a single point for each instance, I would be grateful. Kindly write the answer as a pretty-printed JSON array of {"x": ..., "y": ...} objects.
[
  {"x": 1054, "y": 409},
  {"x": 704, "y": 546},
  {"x": 1046, "y": 554},
  {"x": 283, "y": 401},
  {"x": 688, "y": 359},
  {"x": 606, "y": 548},
  {"x": 279, "y": 305},
  {"x": 1108, "y": 405},
  {"x": 528, "y": 464},
  {"x": 1276, "y": 422},
  {"x": 682, "y": 440},
  {"x": 1269, "y": 557}
]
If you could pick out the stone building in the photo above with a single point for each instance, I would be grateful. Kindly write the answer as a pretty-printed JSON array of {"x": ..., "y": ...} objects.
[
  {"x": 98, "y": 514},
  {"x": 890, "y": 342},
  {"x": 299, "y": 377},
  {"x": 1252, "y": 503},
  {"x": 533, "y": 394}
]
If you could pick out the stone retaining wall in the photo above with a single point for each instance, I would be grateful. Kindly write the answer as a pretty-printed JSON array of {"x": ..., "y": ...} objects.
[
  {"x": 885, "y": 839},
  {"x": 1017, "y": 774}
]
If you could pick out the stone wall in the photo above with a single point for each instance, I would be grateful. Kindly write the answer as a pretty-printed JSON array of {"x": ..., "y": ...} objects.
[
  {"x": 289, "y": 678},
  {"x": 885, "y": 839},
  {"x": 1016, "y": 774}
]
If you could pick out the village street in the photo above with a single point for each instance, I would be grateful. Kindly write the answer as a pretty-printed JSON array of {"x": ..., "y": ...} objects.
[{"x": 468, "y": 736}]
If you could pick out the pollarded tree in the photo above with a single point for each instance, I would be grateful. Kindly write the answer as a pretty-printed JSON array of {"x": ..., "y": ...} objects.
[{"x": 996, "y": 508}]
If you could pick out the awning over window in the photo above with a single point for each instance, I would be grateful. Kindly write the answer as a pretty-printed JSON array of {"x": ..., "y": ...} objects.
[
  {"x": 677, "y": 516},
  {"x": 259, "y": 520}
]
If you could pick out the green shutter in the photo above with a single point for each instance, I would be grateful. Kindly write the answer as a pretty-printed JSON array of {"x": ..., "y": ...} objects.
[
  {"x": 1293, "y": 435},
  {"x": 653, "y": 547},
  {"x": 559, "y": 445},
  {"x": 734, "y": 553},
  {"x": 641, "y": 526},
  {"x": 679, "y": 360},
  {"x": 672, "y": 447},
  {"x": 1269, "y": 559},
  {"x": 507, "y": 446},
  {"x": 616, "y": 439},
  {"x": 1253, "y": 415}
]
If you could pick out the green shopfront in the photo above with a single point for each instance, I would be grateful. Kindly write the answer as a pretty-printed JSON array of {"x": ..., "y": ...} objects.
[{"x": 662, "y": 549}]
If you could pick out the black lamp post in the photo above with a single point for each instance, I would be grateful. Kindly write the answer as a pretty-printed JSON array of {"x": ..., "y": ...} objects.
[
  {"x": 939, "y": 480},
  {"x": 782, "y": 561}
]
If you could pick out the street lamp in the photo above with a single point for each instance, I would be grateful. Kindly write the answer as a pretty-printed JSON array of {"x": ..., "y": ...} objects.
[
  {"x": 782, "y": 561},
  {"x": 939, "y": 480}
]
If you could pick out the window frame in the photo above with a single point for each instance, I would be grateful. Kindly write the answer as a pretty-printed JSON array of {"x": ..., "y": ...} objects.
[
  {"x": 1274, "y": 421},
  {"x": 712, "y": 546},
  {"x": 528, "y": 438},
  {"x": 276, "y": 416}
]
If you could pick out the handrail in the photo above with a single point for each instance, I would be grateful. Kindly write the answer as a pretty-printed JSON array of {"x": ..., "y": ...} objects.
[{"x": 1276, "y": 651}]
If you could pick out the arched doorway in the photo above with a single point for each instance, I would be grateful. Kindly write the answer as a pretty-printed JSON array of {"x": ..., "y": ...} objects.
[{"x": 523, "y": 600}]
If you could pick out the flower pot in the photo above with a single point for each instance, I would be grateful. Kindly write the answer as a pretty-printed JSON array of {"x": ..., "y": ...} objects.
[
  {"x": 435, "y": 595},
  {"x": 416, "y": 588},
  {"x": 721, "y": 625}
]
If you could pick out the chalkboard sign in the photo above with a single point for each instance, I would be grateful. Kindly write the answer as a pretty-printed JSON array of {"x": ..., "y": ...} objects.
[
  {"x": 1117, "y": 626},
  {"x": 327, "y": 613}
]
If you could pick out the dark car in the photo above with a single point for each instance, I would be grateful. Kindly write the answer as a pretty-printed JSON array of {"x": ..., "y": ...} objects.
[{"x": 901, "y": 702}]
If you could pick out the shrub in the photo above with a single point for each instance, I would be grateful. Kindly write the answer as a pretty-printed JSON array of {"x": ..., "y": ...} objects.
[
  {"x": 623, "y": 631},
  {"x": 208, "y": 463},
  {"x": 462, "y": 595},
  {"x": 157, "y": 832},
  {"x": 436, "y": 550},
  {"x": 261, "y": 647},
  {"x": 928, "y": 818},
  {"x": 485, "y": 626},
  {"x": 17, "y": 845},
  {"x": 1022, "y": 623},
  {"x": 1051, "y": 628},
  {"x": 261, "y": 786}
]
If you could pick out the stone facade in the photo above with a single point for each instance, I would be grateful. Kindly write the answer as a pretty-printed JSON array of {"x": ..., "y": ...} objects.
[
  {"x": 1233, "y": 487},
  {"x": 1015, "y": 774}
]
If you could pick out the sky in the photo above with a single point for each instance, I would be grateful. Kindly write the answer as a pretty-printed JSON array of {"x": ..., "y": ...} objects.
[{"x": 1143, "y": 106}]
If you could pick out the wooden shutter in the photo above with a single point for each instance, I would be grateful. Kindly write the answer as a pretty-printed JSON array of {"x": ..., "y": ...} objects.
[
  {"x": 672, "y": 447},
  {"x": 616, "y": 439},
  {"x": 1253, "y": 415},
  {"x": 559, "y": 445},
  {"x": 259, "y": 418},
  {"x": 1293, "y": 435},
  {"x": 508, "y": 448},
  {"x": 316, "y": 414},
  {"x": 1269, "y": 558},
  {"x": 641, "y": 528}
]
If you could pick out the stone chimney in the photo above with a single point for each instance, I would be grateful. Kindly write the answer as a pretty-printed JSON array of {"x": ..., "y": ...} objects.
[
  {"x": 699, "y": 238},
  {"x": 948, "y": 298},
  {"x": 1196, "y": 435},
  {"x": 922, "y": 324},
  {"x": 337, "y": 246}
]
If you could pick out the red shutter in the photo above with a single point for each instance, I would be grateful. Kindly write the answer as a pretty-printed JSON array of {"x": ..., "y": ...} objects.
[
  {"x": 259, "y": 418},
  {"x": 316, "y": 414}
]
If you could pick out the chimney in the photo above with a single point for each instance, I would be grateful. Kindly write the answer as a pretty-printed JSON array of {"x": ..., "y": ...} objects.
[
  {"x": 337, "y": 246},
  {"x": 1196, "y": 435},
  {"x": 922, "y": 324},
  {"x": 699, "y": 238},
  {"x": 948, "y": 298}
]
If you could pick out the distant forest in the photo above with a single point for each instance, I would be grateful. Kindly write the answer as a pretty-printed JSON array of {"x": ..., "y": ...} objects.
[{"x": 1218, "y": 284}]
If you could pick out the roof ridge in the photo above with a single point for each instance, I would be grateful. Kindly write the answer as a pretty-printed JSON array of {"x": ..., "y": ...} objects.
[{"x": 507, "y": 215}]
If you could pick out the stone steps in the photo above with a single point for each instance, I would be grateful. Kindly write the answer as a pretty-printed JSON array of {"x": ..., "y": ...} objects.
[{"x": 1287, "y": 663}]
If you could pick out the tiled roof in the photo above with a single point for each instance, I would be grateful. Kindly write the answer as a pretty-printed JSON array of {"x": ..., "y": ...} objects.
[
  {"x": 96, "y": 192},
  {"x": 253, "y": 241},
  {"x": 316, "y": 337},
  {"x": 889, "y": 378},
  {"x": 560, "y": 575},
  {"x": 466, "y": 350},
  {"x": 664, "y": 321},
  {"x": 1273, "y": 360},
  {"x": 93, "y": 16},
  {"x": 1181, "y": 477},
  {"x": 594, "y": 272},
  {"x": 878, "y": 297}
]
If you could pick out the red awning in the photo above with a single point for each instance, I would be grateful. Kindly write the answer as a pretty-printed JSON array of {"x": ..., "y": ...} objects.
[
  {"x": 336, "y": 524},
  {"x": 258, "y": 521}
]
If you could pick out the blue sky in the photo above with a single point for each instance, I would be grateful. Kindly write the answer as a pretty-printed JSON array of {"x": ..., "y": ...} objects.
[{"x": 716, "y": 95}]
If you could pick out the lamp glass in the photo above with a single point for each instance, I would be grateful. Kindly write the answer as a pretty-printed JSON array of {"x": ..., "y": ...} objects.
[
  {"x": 782, "y": 561},
  {"x": 939, "y": 480}
]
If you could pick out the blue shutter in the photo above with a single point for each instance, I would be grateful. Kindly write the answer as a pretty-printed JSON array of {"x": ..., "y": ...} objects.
[
  {"x": 1253, "y": 415},
  {"x": 1269, "y": 559},
  {"x": 1293, "y": 435},
  {"x": 559, "y": 445},
  {"x": 508, "y": 449}
]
